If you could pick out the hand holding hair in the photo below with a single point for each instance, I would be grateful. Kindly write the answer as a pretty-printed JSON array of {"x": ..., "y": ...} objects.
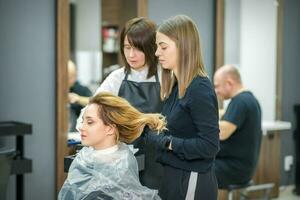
[{"x": 159, "y": 140}]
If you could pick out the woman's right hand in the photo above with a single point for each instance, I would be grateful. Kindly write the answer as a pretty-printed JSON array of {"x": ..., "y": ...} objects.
[{"x": 159, "y": 140}]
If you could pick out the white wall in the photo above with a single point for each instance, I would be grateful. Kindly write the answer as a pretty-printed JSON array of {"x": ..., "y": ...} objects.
[
  {"x": 232, "y": 31},
  {"x": 257, "y": 50},
  {"x": 88, "y": 25},
  {"x": 201, "y": 11},
  {"x": 88, "y": 41},
  {"x": 27, "y": 88}
]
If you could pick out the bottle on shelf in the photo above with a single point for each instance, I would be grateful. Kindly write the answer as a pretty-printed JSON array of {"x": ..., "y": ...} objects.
[{"x": 110, "y": 35}]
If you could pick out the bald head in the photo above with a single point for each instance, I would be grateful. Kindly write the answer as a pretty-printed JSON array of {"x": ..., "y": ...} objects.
[
  {"x": 229, "y": 71},
  {"x": 227, "y": 81},
  {"x": 72, "y": 73}
]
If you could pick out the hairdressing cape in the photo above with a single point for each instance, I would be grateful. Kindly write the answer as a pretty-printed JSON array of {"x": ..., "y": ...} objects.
[{"x": 111, "y": 175}]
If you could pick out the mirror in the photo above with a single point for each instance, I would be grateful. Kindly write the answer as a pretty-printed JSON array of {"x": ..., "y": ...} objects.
[
  {"x": 94, "y": 47},
  {"x": 86, "y": 33},
  {"x": 114, "y": 16},
  {"x": 203, "y": 11},
  {"x": 84, "y": 67}
]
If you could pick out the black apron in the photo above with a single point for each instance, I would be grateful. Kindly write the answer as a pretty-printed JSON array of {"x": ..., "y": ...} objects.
[{"x": 145, "y": 96}]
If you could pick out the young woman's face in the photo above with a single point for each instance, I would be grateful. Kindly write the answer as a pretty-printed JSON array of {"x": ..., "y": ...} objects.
[
  {"x": 166, "y": 51},
  {"x": 93, "y": 131},
  {"x": 134, "y": 57}
]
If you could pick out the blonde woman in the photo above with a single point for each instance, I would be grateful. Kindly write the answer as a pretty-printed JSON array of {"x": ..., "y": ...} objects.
[
  {"x": 191, "y": 110},
  {"x": 106, "y": 168}
]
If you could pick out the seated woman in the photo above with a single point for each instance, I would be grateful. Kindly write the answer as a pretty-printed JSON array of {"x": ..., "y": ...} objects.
[{"x": 107, "y": 168}]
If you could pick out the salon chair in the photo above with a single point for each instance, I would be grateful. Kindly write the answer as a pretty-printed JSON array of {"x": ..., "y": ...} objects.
[{"x": 244, "y": 188}]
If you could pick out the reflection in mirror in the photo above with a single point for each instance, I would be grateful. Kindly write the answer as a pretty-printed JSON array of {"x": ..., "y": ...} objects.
[
  {"x": 84, "y": 66},
  {"x": 250, "y": 43},
  {"x": 94, "y": 46},
  {"x": 85, "y": 49},
  {"x": 85, "y": 41},
  {"x": 78, "y": 96}
]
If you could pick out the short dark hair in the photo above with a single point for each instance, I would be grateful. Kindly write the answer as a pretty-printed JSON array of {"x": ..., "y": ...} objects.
[{"x": 141, "y": 34}]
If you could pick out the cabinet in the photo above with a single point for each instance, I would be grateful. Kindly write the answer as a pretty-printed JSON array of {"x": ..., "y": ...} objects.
[
  {"x": 268, "y": 168},
  {"x": 111, "y": 58}
]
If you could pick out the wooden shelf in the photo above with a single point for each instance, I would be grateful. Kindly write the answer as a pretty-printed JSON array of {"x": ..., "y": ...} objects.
[{"x": 115, "y": 13}]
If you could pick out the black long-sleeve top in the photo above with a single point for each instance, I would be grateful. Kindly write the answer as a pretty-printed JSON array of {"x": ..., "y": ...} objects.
[{"x": 193, "y": 124}]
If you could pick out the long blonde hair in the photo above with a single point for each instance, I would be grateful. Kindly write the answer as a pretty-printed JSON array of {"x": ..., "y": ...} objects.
[
  {"x": 183, "y": 31},
  {"x": 129, "y": 122}
]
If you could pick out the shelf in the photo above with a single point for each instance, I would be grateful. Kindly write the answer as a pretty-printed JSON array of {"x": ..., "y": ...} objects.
[
  {"x": 111, "y": 53},
  {"x": 13, "y": 128}
]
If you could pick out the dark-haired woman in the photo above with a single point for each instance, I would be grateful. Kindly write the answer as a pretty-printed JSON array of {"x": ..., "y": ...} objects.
[{"x": 139, "y": 83}]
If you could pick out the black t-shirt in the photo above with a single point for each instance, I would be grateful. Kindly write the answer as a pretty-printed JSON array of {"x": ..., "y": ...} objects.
[
  {"x": 75, "y": 108},
  {"x": 238, "y": 154}
]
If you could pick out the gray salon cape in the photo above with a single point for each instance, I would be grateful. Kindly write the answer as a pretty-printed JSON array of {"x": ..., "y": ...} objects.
[{"x": 113, "y": 175}]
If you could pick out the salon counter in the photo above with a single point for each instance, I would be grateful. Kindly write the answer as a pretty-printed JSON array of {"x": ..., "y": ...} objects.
[
  {"x": 268, "y": 169},
  {"x": 270, "y": 126}
]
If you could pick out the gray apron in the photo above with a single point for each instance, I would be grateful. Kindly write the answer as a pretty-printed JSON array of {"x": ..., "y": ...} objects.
[{"x": 145, "y": 96}]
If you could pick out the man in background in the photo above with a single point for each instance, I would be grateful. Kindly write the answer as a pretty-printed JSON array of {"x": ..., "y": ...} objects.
[
  {"x": 78, "y": 95},
  {"x": 240, "y": 129}
]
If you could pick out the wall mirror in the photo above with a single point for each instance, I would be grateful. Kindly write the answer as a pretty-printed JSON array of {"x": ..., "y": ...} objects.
[
  {"x": 99, "y": 54},
  {"x": 87, "y": 33},
  {"x": 94, "y": 45},
  {"x": 78, "y": 50}
]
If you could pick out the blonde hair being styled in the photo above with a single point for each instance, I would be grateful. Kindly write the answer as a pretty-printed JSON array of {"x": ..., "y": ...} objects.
[
  {"x": 183, "y": 31},
  {"x": 129, "y": 122}
]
